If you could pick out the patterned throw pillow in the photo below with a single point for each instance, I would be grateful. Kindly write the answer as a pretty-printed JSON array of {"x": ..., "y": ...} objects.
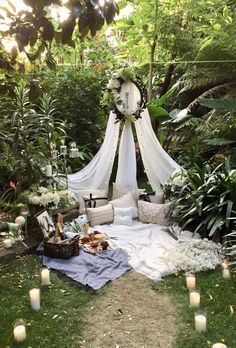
[
  {"x": 101, "y": 215},
  {"x": 126, "y": 201},
  {"x": 154, "y": 213}
]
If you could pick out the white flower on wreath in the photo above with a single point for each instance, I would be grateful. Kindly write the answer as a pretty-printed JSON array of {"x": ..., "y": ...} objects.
[{"x": 113, "y": 84}]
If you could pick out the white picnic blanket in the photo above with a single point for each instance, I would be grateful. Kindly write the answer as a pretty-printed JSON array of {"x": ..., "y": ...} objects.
[{"x": 146, "y": 246}]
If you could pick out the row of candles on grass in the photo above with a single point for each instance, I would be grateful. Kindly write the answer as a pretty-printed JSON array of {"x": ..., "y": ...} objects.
[
  {"x": 194, "y": 299},
  {"x": 19, "y": 330}
]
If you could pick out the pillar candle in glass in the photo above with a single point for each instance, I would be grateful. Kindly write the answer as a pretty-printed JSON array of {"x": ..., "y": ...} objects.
[
  {"x": 19, "y": 330},
  {"x": 45, "y": 276},
  {"x": 194, "y": 298},
  {"x": 190, "y": 280},
  {"x": 49, "y": 170},
  {"x": 200, "y": 321},
  {"x": 35, "y": 299},
  {"x": 226, "y": 273},
  {"x": 219, "y": 345},
  {"x": 7, "y": 243}
]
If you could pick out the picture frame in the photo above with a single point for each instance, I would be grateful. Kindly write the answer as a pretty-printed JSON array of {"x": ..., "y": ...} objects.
[{"x": 46, "y": 223}]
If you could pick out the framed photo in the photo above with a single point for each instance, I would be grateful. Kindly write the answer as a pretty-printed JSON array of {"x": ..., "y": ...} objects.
[{"x": 46, "y": 224}]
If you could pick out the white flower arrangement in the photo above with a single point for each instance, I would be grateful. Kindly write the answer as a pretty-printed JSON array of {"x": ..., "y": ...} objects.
[
  {"x": 196, "y": 256},
  {"x": 47, "y": 197}
]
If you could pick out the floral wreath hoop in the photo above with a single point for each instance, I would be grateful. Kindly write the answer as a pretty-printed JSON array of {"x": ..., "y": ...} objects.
[{"x": 114, "y": 87}]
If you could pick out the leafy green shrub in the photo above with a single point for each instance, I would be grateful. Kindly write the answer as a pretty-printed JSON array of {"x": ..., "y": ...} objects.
[
  {"x": 205, "y": 199},
  {"x": 78, "y": 94}
]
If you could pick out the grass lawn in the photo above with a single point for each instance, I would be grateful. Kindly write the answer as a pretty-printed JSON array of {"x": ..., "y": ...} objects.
[
  {"x": 58, "y": 323},
  {"x": 218, "y": 300}
]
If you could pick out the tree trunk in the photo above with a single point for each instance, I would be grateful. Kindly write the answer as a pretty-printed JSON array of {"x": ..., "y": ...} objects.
[
  {"x": 167, "y": 81},
  {"x": 151, "y": 66}
]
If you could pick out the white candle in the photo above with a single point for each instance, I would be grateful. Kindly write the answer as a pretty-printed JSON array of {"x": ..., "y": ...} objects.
[
  {"x": 226, "y": 273},
  {"x": 19, "y": 333},
  {"x": 20, "y": 220},
  {"x": 45, "y": 276},
  {"x": 200, "y": 322},
  {"x": 35, "y": 299},
  {"x": 7, "y": 243},
  {"x": 190, "y": 280},
  {"x": 219, "y": 345},
  {"x": 48, "y": 170},
  {"x": 225, "y": 264},
  {"x": 194, "y": 298}
]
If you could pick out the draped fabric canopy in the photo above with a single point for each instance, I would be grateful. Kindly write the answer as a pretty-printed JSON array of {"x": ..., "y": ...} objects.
[{"x": 157, "y": 163}]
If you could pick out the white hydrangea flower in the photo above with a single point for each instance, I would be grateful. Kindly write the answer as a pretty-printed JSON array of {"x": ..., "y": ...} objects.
[
  {"x": 42, "y": 189},
  {"x": 35, "y": 200}
]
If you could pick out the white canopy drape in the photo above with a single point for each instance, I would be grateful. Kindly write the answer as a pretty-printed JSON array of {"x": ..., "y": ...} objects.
[
  {"x": 96, "y": 175},
  {"x": 157, "y": 163},
  {"x": 127, "y": 168}
]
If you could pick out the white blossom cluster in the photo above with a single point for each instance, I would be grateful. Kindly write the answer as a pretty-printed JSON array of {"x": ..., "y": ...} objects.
[
  {"x": 113, "y": 84},
  {"x": 196, "y": 256},
  {"x": 178, "y": 177},
  {"x": 45, "y": 197}
]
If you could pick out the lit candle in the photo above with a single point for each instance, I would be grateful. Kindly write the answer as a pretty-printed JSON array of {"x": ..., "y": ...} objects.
[
  {"x": 225, "y": 264},
  {"x": 226, "y": 273},
  {"x": 190, "y": 280},
  {"x": 19, "y": 333},
  {"x": 7, "y": 243},
  {"x": 200, "y": 321},
  {"x": 45, "y": 276},
  {"x": 35, "y": 299},
  {"x": 219, "y": 345},
  {"x": 49, "y": 170},
  {"x": 194, "y": 298}
]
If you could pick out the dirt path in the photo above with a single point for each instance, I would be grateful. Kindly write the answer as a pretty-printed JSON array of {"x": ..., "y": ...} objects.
[{"x": 130, "y": 315}]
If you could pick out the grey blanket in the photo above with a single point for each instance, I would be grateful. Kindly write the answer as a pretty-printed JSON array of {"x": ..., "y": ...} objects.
[{"x": 94, "y": 270}]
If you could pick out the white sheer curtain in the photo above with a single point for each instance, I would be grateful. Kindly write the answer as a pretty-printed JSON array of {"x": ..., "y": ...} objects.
[
  {"x": 96, "y": 175},
  {"x": 127, "y": 164},
  {"x": 157, "y": 163}
]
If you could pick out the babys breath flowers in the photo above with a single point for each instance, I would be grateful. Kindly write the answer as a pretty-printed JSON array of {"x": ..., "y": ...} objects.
[{"x": 196, "y": 256}]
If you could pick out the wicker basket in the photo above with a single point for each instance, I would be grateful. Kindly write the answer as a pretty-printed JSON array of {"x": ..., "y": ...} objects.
[{"x": 62, "y": 250}]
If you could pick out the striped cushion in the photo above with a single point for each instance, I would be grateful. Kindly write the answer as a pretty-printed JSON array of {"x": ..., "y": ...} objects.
[{"x": 101, "y": 215}]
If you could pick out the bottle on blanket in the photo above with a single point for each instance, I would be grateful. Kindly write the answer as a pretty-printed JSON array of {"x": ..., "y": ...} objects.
[{"x": 59, "y": 236}]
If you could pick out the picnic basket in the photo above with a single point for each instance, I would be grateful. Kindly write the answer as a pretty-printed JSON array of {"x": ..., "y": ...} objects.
[
  {"x": 63, "y": 250},
  {"x": 59, "y": 246}
]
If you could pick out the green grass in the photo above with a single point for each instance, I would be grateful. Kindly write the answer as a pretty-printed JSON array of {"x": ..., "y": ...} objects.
[
  {"x": 218, "y": 300},
  {"x": 58, "y": 323}
]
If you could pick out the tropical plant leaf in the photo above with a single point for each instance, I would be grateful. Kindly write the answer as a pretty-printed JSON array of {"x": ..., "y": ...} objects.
[{"x": 219, "y": 104}]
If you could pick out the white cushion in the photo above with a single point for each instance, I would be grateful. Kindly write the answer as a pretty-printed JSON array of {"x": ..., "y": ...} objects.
[
  {"x": 154, "y": 213},
  {"x": 101, "y": 215},
  {"x": 119, "y": 191},
  {"x": 123, "y": 211},
  {"x": 126, "y": 201},
  {"x": 123, "y": 220},
  {"x": 86, "y": 193}
]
